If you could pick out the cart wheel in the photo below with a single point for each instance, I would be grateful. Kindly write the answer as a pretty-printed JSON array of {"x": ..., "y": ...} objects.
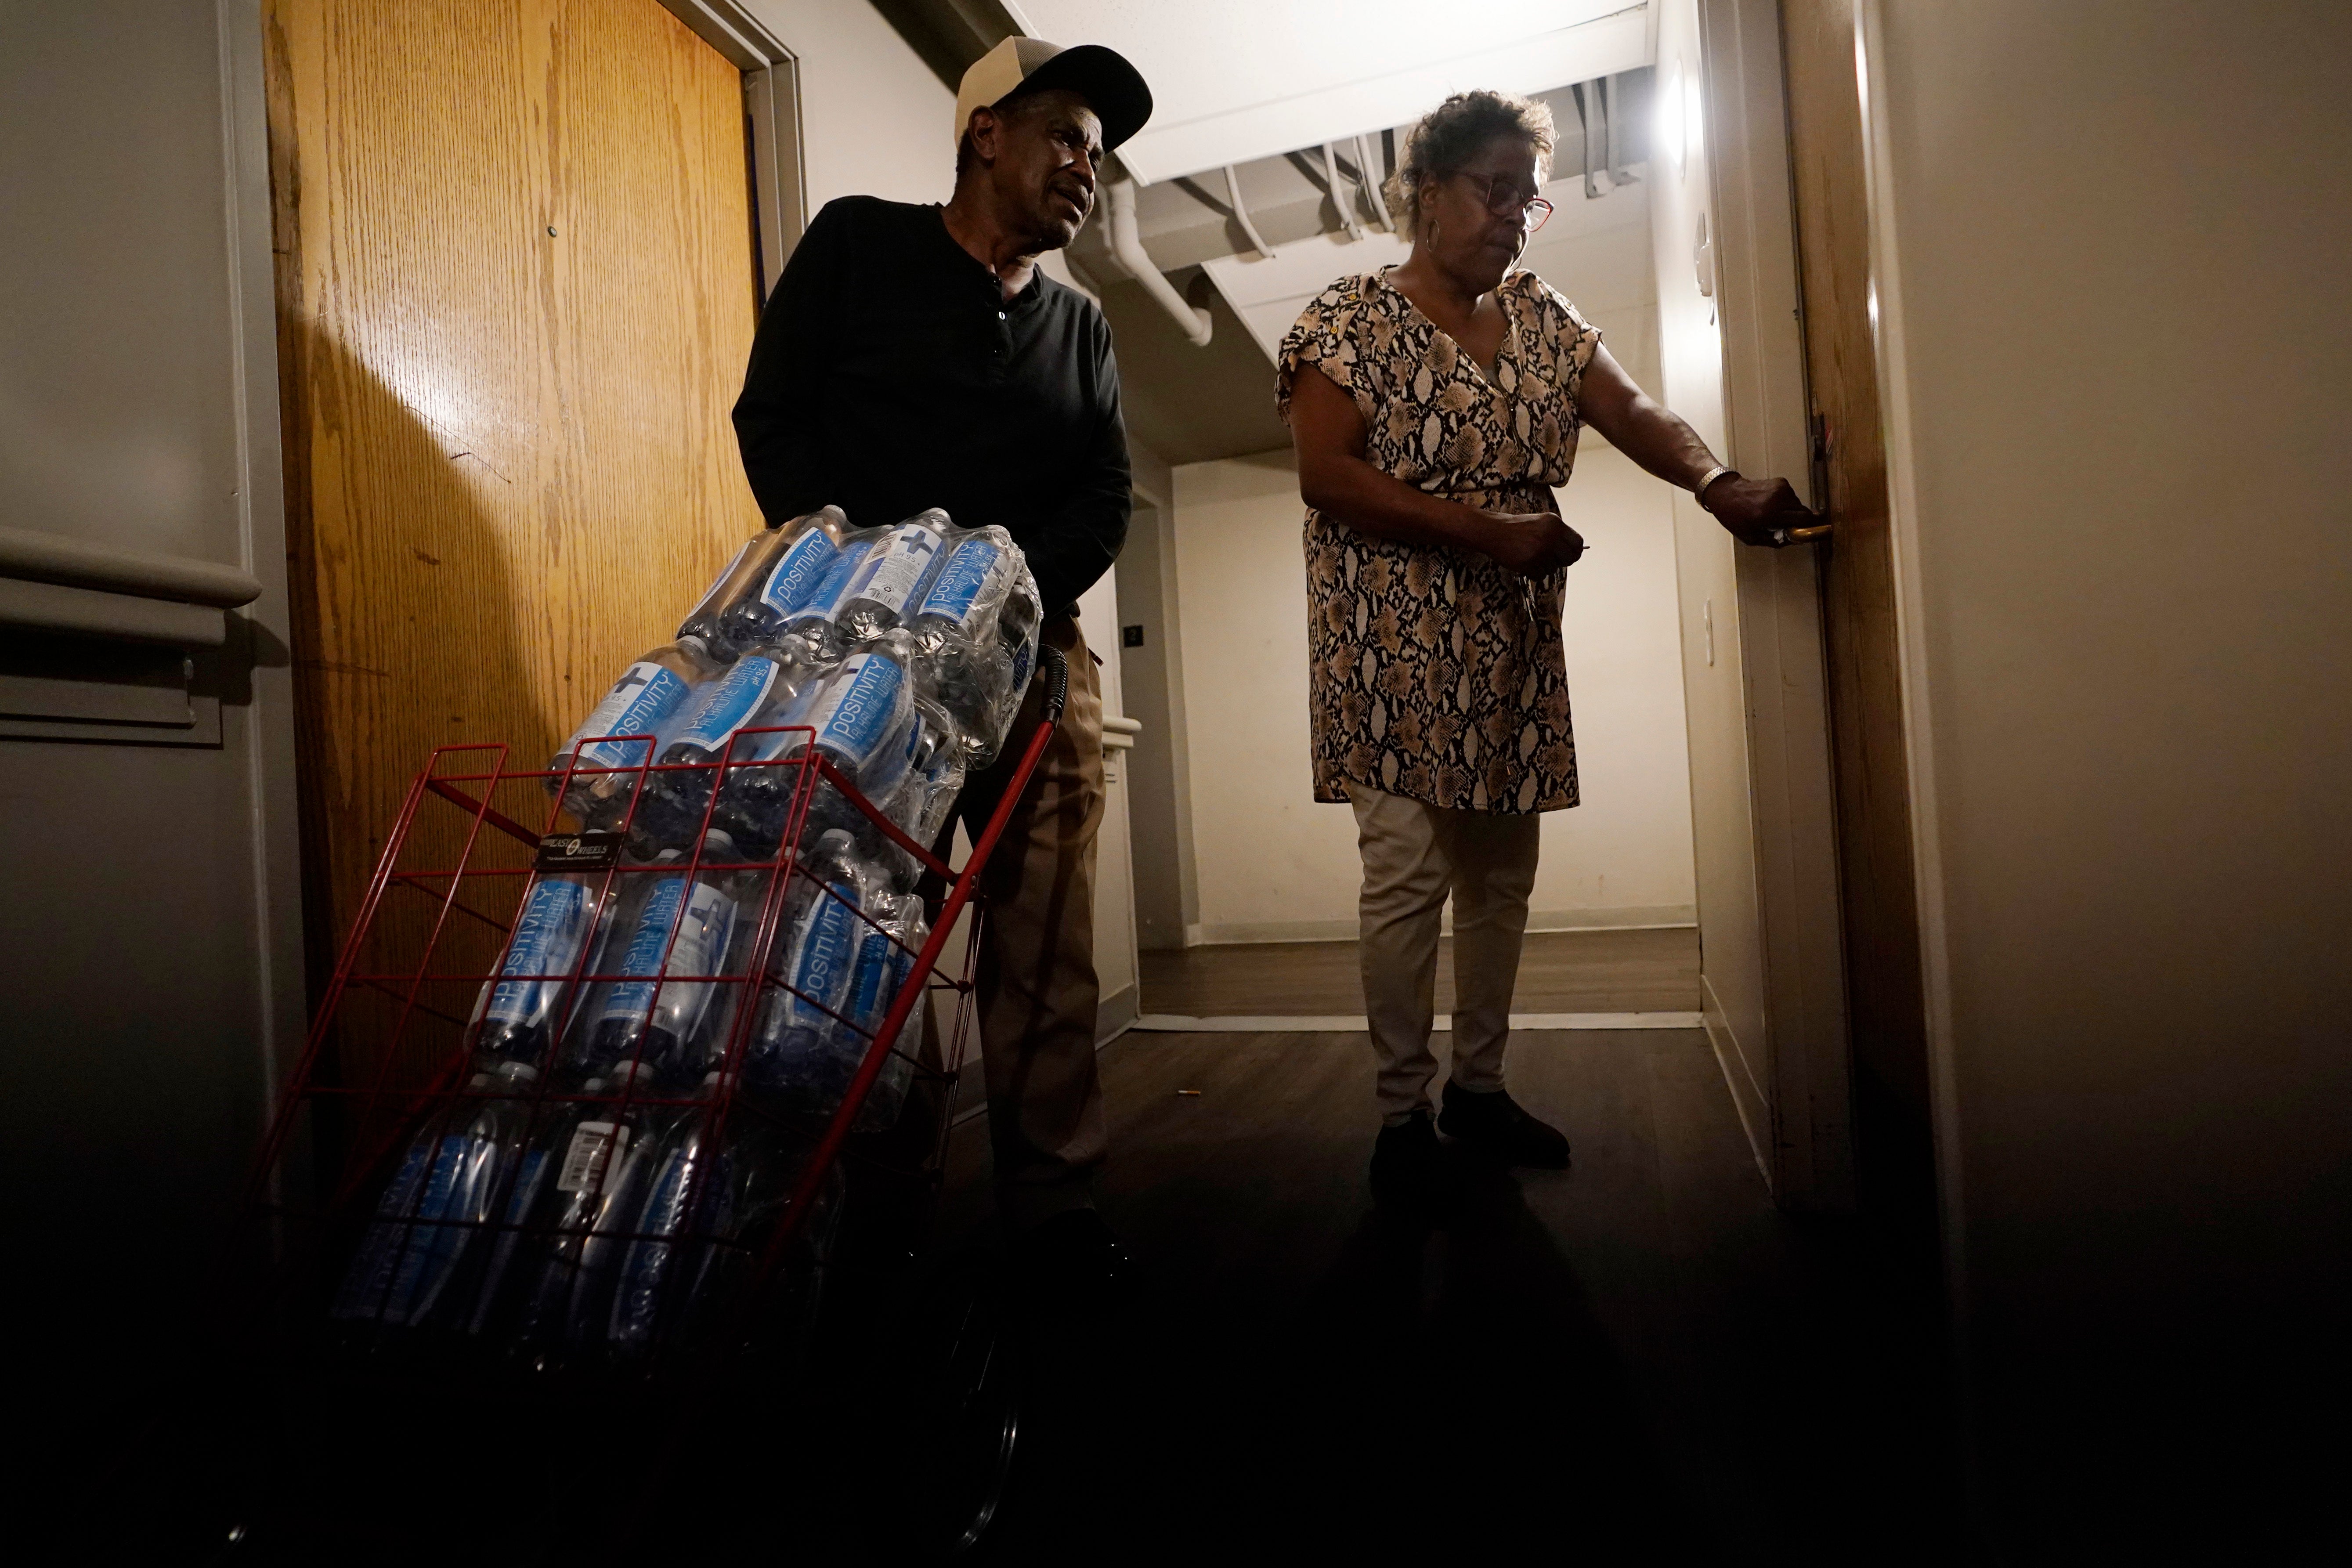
[{"x": 962, "y": 1408}]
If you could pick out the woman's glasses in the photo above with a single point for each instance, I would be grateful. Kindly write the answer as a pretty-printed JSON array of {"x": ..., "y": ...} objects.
[{"x": 1504, "y": 198}]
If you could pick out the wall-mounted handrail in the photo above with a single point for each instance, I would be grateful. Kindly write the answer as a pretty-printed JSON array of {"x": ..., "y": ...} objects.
[{"x": 34, "y": 557}]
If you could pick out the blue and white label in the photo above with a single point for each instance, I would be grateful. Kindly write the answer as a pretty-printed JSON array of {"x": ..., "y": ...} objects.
[
  {"x": 831, "y": 591},
  {"x": 879, "y": 970},
  {"x": 898, "y": 568},
  {"x": 702, "y": 933},
  {"x": 640, "y": 703},
  {"x": 795, "y": 581},
  {"x": 1023, "y": 653},
  {"x": 857, "y": 707},
  {"x": 956, "y": 596},
  {"x": 828, "y": 945},
  {"x": 546, "y": 941},
  {"x": 728, "y": 703}
]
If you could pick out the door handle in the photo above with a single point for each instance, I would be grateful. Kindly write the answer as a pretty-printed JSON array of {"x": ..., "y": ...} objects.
[{"x": 1808, "y": 535}]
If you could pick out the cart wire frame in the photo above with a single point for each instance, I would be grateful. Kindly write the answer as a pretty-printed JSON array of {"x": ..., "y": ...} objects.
[{"x": 407, "y": 1085}]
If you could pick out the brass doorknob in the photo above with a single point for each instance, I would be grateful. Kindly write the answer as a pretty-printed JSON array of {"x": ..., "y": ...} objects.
[{"x": 1800, "y": 535}]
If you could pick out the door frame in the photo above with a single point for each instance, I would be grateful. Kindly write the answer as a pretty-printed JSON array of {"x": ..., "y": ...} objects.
[
  {"x": 1806, "y": 1148},
  {"x": 772, "y": 107}
]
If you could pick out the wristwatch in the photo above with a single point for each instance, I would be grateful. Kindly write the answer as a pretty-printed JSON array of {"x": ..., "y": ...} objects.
[{"x": 1699, "y": 490}]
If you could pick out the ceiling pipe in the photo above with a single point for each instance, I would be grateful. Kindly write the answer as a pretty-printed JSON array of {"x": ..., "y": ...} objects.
[
  {"x": 1613, "y": 88},
  {"x": 1347, "y": 203},
  {"x": 1233, "y": 195},
  {"x": 1377, "y": 183},
  {"x": 1127, "y": 244}
]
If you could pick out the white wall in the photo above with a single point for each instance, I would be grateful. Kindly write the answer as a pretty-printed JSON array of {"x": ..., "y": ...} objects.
[
  {"x": 1273, "y": 866},
  {"x": 2109, "y": 258},
  {"x": 875, "y": 121}
]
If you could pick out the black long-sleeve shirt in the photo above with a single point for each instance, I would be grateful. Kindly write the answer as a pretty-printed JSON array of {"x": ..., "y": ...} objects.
[{"x": 890, "y": 374}]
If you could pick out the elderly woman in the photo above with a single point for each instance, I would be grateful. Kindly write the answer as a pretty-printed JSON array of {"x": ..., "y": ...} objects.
[{"x": 1445, "y": 403}]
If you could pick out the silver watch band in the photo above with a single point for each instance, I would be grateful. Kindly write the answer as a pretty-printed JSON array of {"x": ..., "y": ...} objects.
[{"x": 1699, "y": 490}]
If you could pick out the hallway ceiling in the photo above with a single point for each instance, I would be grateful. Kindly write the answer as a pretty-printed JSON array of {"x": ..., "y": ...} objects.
[
  {"x": 1241, "y": 80},
  {"x": 1279, "y": 97}
]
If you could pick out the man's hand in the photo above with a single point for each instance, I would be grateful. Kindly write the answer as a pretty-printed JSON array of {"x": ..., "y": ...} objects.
[
  {"x": 1532, "y": 542},
  {"x": 1757, "y": 511}
]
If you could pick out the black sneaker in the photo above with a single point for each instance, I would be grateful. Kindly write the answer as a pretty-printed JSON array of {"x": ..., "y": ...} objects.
[
  {"x": 1409, "y": 1170},
  {"x": 1495, "y": 1126}
]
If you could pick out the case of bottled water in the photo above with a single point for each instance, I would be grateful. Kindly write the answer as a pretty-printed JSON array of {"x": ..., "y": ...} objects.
[
  {"x": 517, "y": 1017},
  {"x": 861, "y": 710},
  {"x": 675, "y": 1027},
  {"x": 806, "y": 548},
  {"x": 650, "y": 699},
  {"x": 975, "y": 632},
  {"x": 737, "y": 582},
  {"x": 758, "y": 690}
]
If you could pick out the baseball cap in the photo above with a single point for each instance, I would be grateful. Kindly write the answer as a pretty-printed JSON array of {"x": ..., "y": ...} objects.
[{"x": 1113, "y": 88}]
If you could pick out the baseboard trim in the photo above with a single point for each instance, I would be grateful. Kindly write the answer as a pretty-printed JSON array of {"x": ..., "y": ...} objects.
[
  {"x": 1635, "y": 917},
  {"x": 1115, "y": 1014},
  {"x": 1755, "y": 1112},
  {"x": 1356, "y": 1023}
]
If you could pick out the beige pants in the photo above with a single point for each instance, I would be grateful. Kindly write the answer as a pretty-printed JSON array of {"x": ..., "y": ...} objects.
[
  {"x": 1416, "y": 855},
  {"x": 1036, "y": 980}
]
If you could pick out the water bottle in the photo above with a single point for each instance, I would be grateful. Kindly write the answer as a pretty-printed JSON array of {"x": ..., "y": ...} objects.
[
  {"x": 561, "y": 1289},
  {"x": 517, "y": 1016},
  {"x": 689, "y": 1199},
  {"x": 859, "y": 711},
  {"x": 976, "y": 631},
  {"x": 762, "y": 685},
  {"x": 738, "y": 580},
  {"x": 647, "y": 700},
  {"x": 667, "y": 1024},
  {"x": 811, "y": 968},
  {"x": 812, "y": 632},
  {"x": 441, "y": 1196},
  {"x": 810, "y": 547},
  {"x": 895, "y": 575},
  {"x": 924, "y": 800},
  {"x": 886, "y": 957}
]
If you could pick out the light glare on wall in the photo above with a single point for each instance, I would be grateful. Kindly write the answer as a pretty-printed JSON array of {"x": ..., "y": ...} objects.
[{"x": 1670, "y": 117}]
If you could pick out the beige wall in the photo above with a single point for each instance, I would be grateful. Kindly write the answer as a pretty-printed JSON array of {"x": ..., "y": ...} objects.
[
  {"x": 1271, "y": 864},
  {"x": 2109, "y": 252},
  {"x": 875, "y": 121}
]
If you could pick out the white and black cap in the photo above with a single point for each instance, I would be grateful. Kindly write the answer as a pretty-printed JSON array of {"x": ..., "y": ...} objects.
[{"x": 1113, "y": 88}]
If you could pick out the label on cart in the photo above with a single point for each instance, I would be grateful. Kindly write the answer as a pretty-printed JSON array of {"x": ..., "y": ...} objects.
[
  {"x": 640, "y": 703},
  {"x": 895, "y": 571},
  {"x": 853, "y": 711},
  {"x": 957, "y": 592},
  {"x": 586, "y": 1163},
  {"x": 803, "y": 567},
  {"x": 702, "y": 934},
  {"x": 546, "y": 941},
  {"x": 728, "y": 703},
  {"x": 595, "y": 849},
  {"x": 824, "y": 601}
]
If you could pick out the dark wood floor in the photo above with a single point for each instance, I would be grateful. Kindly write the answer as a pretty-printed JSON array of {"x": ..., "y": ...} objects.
[
  {"x": 1636, "y": 1360},
  {"x": 1559, "y": 971}
]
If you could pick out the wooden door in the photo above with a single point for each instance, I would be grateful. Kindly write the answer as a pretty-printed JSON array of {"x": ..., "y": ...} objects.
[
  {"x": 1872, "y": 786},
  {"x": 516, "y": 292}
]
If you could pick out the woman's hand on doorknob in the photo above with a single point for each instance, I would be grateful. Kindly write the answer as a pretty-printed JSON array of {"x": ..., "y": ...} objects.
[{"x": 1760, "y": 511}]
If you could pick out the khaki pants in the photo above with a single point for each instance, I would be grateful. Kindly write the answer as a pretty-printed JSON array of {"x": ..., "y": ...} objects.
[
  {"x": 1037, "y": 991},
  {"x": 1416, "y": 855}
]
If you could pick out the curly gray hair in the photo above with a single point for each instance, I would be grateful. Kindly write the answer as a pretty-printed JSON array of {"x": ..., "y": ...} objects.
[{"x": 1457, "y": 131}]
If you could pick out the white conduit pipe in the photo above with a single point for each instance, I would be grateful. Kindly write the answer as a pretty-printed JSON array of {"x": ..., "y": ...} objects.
[
  {"x": 1347, "y": 203},
  {"x": 1127, "y": 244},
  {"x": 1233, "y": 195},
  {"x": 1377, "y": 182}
]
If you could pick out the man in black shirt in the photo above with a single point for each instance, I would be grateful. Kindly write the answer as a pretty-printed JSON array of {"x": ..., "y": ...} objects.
[{"x": 916, "y": 356}]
